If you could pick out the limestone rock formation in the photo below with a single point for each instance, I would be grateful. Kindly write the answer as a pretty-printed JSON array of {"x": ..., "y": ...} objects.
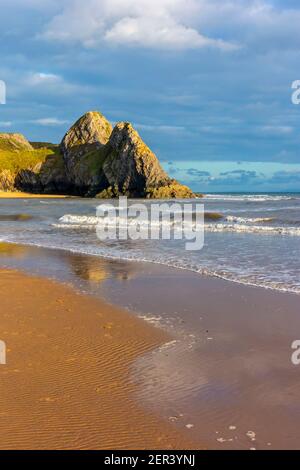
[
  {"x": 130, "y": 164},
  {"x": 53, "y": 175},
  {"x": 47, "y": 177},
  {"x": 7, "y": 180},
  {"x": 91, "y": 128},
  {"x": 84, "y": 149},
  {"x": 29, "y": 180},
  {"x": 171, "y": 190},
  {"x": 92, "y": 159},
  {"x": 132, "y": 168}
]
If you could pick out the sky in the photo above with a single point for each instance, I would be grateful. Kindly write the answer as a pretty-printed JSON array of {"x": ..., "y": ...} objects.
[{"x": 207, "y": 83}]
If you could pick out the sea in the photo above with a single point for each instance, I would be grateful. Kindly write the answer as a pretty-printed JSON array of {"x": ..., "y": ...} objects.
[{"x": 256, "y": 242}]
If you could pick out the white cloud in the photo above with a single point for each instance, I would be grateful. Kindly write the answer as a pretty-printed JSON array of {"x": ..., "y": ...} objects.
[
  {"x": 169, "y": 24},
  {"x": 263, "y": 24},
  {"x": 176, "y": 24},
  {"x": 41, "y": 78},
  {"x": 50, "y": 83},
  {"x": 277, "y": 129},
  {"x": 164, "y": 24},
  {"x": 154, "y": 34},
  {"x": 49, "y": 121},
  {"x": 5, "y": 123}
]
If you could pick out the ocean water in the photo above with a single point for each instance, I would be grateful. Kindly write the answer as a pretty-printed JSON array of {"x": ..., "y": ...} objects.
[{"x": 257, "y": 241}]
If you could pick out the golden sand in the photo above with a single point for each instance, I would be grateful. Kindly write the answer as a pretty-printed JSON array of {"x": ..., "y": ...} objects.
[
  {"x": 21, "y": 195},
  {"x": 67, "y": 384}
]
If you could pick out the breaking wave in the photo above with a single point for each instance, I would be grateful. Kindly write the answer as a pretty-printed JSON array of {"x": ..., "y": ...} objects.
[
  {"x": 237, "y": 225},
  {"x": 247, "y": 220},
  {"x": 259, "y": 229},
  {"x": 249, "y": 197}
]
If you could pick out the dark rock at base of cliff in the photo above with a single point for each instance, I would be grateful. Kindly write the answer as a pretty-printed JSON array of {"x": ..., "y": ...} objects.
[{"x": 48, "y": 177}]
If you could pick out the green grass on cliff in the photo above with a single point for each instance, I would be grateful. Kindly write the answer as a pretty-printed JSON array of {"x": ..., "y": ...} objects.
[
  {"x": 93, "y": 161},
  {"x": 16, "y": 160}
]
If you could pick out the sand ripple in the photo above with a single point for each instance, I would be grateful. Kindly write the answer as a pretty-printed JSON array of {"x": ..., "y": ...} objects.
[{"x": 67, "y": 384}]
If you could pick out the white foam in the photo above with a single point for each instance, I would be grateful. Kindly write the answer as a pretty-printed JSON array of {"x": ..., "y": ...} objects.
[
  {"x": 78, "y": 219},
  {"x": 259, "y": 229},
  {"x": 238, "y": 225},
  {"x": 248, "y": 197},
  {"x": 82, "y": 221},
  {"x": 247, "y": 220}
]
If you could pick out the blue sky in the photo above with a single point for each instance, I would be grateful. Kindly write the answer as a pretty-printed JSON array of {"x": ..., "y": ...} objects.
[{"x": 207, "y": 83}]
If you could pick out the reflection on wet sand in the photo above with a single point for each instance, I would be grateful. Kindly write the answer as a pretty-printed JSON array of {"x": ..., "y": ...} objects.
[
  {"x": 15, "y": 217},
  {"x": 98, "y": 270},
  {"x": 16, "y": 251},
  {"x": 87, "y": 268}
]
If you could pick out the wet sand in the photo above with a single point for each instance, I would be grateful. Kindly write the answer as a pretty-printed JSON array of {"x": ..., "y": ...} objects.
[
  {"x": 230, "y": 371},
  {"x": 67, "y": 382}
]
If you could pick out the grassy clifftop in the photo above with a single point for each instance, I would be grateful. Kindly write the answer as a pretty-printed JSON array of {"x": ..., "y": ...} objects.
[
  {"x": 14, "y": 142},
  {"x": 16, "y": 153}
]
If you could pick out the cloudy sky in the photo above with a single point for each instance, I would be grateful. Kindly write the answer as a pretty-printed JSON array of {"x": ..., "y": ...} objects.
[{"x": 207, "y": 83}]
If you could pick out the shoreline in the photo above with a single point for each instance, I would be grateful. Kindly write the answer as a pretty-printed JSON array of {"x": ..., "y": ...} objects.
[
  {"x": 67, "y": 384},
  {"x": 159, "y": 265},
  {"x": 22, "y": 195}
]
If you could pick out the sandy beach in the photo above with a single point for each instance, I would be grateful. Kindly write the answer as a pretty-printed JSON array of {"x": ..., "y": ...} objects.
[
  {"x": 22, "y": 195},
  {"x": 66, "y": 384},
  {"x": 209, "y": 368}
]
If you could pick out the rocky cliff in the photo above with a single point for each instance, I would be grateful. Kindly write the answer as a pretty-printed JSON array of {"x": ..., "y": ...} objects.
[
  {"x": 93, "y": 159},
  {"x": 130, "y": 165},
  {"x": 21, "y": 162},
  {"x": 84, "y": 150}
]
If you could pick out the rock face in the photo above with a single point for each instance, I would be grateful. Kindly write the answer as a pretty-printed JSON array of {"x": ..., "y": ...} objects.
[
  {"x": 48, "y": 177},
  {"x": 171, "y": 190},
  {"x": 91, "y": 128},
  {"x": 130, "y": 164},
  {"x": 131, "y": 168},
  {"x": 94, "y": 159},
  {"x": 29, "y": 180},
  {"x": 7, "y": 181},
  {"x": 84, "y": 148}
]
